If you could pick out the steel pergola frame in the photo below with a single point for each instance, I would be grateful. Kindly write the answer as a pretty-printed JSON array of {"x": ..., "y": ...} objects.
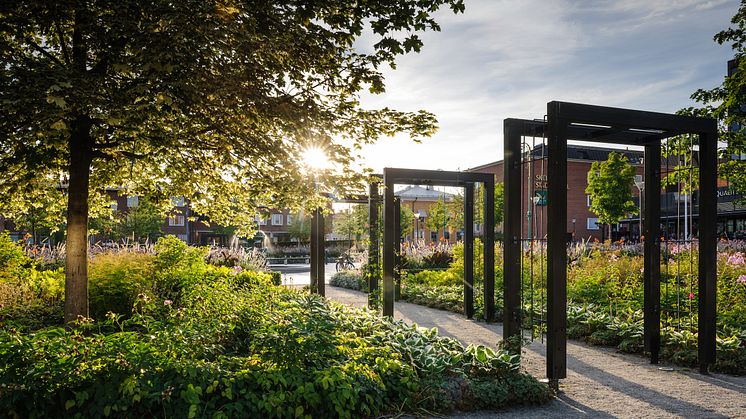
[
  {"x": 394, "y": 176},
  {"x": 622, "y": 126}
]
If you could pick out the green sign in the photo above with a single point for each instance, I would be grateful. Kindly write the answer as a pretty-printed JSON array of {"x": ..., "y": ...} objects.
[{"x": 540, "y": 198}]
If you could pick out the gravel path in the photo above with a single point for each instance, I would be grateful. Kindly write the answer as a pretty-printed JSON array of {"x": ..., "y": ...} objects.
[{"x": 600, "y": 381}]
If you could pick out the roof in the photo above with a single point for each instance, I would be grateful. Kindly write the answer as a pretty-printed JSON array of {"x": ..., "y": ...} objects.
[
  {"x": 579, "y": 152},
  {"x": 410, "y": 193}
]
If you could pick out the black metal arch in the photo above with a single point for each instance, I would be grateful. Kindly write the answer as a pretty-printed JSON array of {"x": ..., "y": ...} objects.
[
  {"x": 624, "y": 126},
  {"x": 393, "y": 176}
]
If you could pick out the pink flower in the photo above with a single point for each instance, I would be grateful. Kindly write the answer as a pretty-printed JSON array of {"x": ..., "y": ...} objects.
[
  {"x": 741, "y": 280},
  {"x": 167, "y": 303},
  {"x": 736, "y": 259},
  {"x": 691, "y": 296},
  {"x": 237, "y": 270}
]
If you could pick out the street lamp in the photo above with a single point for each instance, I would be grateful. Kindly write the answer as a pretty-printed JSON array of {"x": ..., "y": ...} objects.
[{"x": 640, "y": 184}]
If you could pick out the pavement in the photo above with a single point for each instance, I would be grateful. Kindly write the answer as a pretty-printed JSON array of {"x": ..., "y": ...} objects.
[
  {"x": 600, "y": 383},
  {"x": 300, "y": 274}
]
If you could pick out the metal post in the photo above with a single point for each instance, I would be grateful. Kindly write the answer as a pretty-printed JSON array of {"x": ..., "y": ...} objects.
[
  {"x": 469, "y": 250},
  {"x": 320, "y": 253},
  {"x": 489, "y": 250},
  {"x": 512, "y": 230},
  {"x": 707, "y": 248},
  {"x": 388, "y": 248},
  {"x": 397, "y": 248},
  {"x": 652, "y": 251},
  {"x": 556, "y": 246},
  {"x": 314, "y": 253},
  {"x": 374, "y": 243}
]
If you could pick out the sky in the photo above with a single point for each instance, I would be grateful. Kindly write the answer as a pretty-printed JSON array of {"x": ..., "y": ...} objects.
[{"x": 508, "y": 58}]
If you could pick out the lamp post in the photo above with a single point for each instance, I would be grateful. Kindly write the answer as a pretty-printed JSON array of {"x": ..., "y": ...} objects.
[
  {"x": 640, "y": 184},
  {"x": 527, "y": 149}
]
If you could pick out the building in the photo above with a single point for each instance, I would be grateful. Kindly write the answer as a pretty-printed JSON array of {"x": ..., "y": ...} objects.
[
  {"x": 581, "y": 222},
  {"x": 679, "y": 211},
  {"x": 419, "y": 199}
]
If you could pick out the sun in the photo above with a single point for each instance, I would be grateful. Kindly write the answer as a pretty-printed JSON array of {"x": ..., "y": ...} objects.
[{"x": 315, "y": 158}]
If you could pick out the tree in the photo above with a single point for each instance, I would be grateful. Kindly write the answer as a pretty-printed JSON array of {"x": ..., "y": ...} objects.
[
  {"x": 456, "y": 207},
  {"x": 437, "y": 217},
  {"x": 726, "y": 104},
  {"x": 406, "y": 220},
  {"x": 206, "y": 99},
  {"x": 142, "y": 222},
  {"x": 300, "y": 228},
  {"x": 610, "y": 187},
  {"x": 351, "y": 224}
]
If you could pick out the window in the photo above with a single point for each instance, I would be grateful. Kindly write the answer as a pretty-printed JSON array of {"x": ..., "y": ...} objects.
[
  {"x": 176, "y": 220},
  {"x": 289, "y": 219},
  {"x": 592, "y": 224},
  {"x": 114, "y": 206},
  {"x": 588, "y": 201},
  {"x": 276, "y": 219},
  {"x": 182, "y": 237},
  {"x": 132, "y": 202},
  {"x": 447, "y": 235},
  {"x": 177, "y": 201},
  {"x": 262, "y": 220},
  {"x": 433, "y": 236},
  {"x": 477, "y": 228}
]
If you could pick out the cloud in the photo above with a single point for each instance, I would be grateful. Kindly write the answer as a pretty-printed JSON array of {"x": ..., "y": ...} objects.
[{"x": 509, "y": 58}]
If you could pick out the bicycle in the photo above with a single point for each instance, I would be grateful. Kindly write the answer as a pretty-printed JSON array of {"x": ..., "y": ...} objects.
[{"x": 344, "y": 262}]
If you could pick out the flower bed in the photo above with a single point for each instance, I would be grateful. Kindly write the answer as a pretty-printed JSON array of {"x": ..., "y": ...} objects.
[
  {"x": 605, "y": 298},
  {"x": 201, "y": 340}
]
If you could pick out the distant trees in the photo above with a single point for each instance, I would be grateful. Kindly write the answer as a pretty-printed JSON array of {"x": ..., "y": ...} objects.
[
  {"x": 300, "y": 228},
  {"x": 610, "y": 188}
]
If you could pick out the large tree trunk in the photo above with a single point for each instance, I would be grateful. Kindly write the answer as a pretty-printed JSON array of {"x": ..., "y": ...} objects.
[{"x": 76, "y": 258}]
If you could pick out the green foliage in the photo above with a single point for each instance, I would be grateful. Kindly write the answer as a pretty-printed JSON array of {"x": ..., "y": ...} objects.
[
  {"x": 724, "y": 103},
  {"x": 437, "y": 216},
  {"x": 456, "y": 207},
  {"x": 351, "y": 224},
  {"x": 300, "y": 228},
  {"x": 142, "y": 222},
  {"x": 115, "y": 281},
  {"x": 406, "y": 220},
  {"x": 29, "y": 297},
  {"x": 250, "y": 349},
  {"x": 610, "y": 186},
  {"x": 202, "y": 99},
  {"x": 13, "y": 259},
  {"x": 350, "y": 279}
]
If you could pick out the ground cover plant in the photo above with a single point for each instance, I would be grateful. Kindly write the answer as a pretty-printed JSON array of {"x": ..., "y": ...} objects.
[
  {"x": 605, "y": 297},
  {"x": 187, "y": 338}
]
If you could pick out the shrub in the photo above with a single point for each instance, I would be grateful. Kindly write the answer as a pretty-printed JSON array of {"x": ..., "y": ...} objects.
[
  {"x": 177, "y": 267},
  {"x": 350, "y": 279},
  {"x": 13, "y": 260},
  {"x": 115, "y": 280},
  {"x": 252, "y": 351}
]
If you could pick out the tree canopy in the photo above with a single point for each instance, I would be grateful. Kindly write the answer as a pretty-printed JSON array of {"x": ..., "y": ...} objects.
[
  {"x": 351, "y": 224},
  {"x": 727, "y": 104},
  {"x": 213, "y": 100},
  {"x": 610, "y": 185},
  {"x": 438, "y": 217}
]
